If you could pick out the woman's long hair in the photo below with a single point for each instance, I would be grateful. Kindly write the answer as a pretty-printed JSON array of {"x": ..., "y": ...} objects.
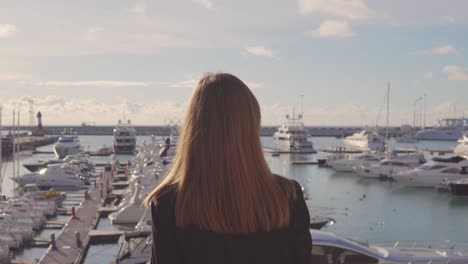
[{"x": 222, "y": 179}]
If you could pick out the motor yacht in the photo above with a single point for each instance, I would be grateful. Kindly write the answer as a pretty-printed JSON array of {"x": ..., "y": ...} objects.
[
  {"x": 407, "y": 139},
  {"x": 68, "y": 144},
  {"x": 450, "y": 129},
  {"x": 462, "y": 146},
  {"x": 57, "y": 176},
  {"x": 388, "y": 167},
  {"x": 328, "y": 248},
  {"x": 350, "y": 162},
  {"x": 434, "y": 173},
  {"x": 124, "y": 138},
  {"x": 293, "y": 136},
  {"x": 365, "y": 141}
]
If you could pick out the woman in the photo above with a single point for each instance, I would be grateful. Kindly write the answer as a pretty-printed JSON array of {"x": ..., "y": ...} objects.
[{"x": 220, "y": 203}]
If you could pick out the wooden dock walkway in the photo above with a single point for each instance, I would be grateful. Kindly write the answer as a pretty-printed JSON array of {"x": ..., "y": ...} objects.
[{"x": 87, "y": 217}]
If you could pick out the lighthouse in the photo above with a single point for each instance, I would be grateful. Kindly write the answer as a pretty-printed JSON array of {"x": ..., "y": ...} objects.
[{"x": 39, "y": 121}]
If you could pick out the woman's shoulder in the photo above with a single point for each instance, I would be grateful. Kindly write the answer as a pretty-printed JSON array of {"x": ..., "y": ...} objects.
[
  {"x": 166, "y": 195},
  {"x": 290, "y": 186},
  {"x": 285, "y": 182}
]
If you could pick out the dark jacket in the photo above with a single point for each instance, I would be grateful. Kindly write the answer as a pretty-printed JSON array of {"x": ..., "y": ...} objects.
[{"x": 171, "y": 245}]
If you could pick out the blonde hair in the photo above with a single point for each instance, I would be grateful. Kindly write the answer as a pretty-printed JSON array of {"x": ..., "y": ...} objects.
[{"x": 222, "y": 179}]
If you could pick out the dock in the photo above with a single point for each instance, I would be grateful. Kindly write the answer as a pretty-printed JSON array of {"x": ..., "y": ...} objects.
[
  {"x": 32, "y": 142},
  {"x": 86, "y": 218},
  {"x": 277, "y": 151}
]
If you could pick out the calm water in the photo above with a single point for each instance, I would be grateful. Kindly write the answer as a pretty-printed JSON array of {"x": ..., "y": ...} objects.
[{"x": 389, "y": 211}]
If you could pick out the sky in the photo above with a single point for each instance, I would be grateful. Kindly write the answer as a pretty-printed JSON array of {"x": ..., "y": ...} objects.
[{"x": 101, "y": 61}]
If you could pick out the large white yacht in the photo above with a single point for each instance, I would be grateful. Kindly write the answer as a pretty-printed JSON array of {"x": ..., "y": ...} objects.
[
  {"x": 434, "y": 172},
  {"x": 386, "y": 168},
  {"x": 349, "y": 163},
  {"x": 124, "y": 138},
  {"x": 292, "y": 136},
  {"x": 68, "y": 144},
  {"x": 365, "y": 141},
  {"x": 448, "y": 129},
  {"x": 462, "y": 146},
  {"x": 57, "y": 176}
]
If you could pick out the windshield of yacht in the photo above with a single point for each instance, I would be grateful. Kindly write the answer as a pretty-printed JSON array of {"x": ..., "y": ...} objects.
[
  {"x": 66, "y": 140},
  {"x": 431, "y": 167}
]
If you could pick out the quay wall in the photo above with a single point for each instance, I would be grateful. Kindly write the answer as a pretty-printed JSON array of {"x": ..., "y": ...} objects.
[{"x": 319, "y": 131}]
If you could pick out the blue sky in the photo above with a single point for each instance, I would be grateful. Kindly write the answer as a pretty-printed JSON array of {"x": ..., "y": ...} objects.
[{"x": 95, "y": 61}]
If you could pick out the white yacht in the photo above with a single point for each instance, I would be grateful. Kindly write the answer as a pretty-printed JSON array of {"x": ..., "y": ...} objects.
[
  {"x": 365, "y": 141},
  {"x": 462, "y": 146},
  {"x": 350, "y": 162},
  {"x": 124, "y": 138},
  {"x": 68, "y": 144},
  {"x": 448, "y": 129},
  {"x": 386, "y": 168},
  {"x": 57, "y": 176},
  {"x": 292, "y": 136},
  {"x": 435, "y": 172}
]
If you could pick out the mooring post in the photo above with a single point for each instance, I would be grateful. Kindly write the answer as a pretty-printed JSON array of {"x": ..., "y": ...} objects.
[
  {"x": 78, "y": 239},
  {"x": 53, "y": 243},
  {"x": 73, "y": 212},
  {"x": 86, "y": 195}
]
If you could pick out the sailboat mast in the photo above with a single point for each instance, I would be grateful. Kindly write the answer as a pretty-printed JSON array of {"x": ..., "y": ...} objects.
[
  {"x": 302, "y": 106},
  {"x": 388, "y": 110},
  {"x": 14, "y": 148},
  {"x": 1, "y": 150}
]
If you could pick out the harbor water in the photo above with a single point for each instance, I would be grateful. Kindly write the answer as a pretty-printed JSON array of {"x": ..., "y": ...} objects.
[{"x": 364, "y": 209}]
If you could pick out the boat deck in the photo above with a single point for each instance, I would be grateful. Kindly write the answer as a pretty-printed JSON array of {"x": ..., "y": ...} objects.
[{"x": 87, "y": 217}]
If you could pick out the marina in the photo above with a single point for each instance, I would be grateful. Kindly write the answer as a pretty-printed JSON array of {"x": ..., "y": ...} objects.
[
  {"x": 348, "y": 198},
  {"x": 225, "y": 132}
]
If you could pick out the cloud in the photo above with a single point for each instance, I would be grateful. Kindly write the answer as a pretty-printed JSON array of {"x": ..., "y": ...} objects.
[
  {"x": 191, "y": 83},
  {"x": 139, "y": 8},
  {"x": 91, "y": 33},
  {"x": 255, "y": 85},
  {"x": 349, "y": 9},
  {"x": 7, "y": 30},
  {"x": 332, "y": 29},
  {"x": 259, "y": 51},
  {"x": 204, "y": 3},
  {"x": 448, "y": 20},
  {"x": 429, "y": 75},
  {"x": 446, "y": 50},
  {"x": 11, "y": 76},
  {"x": 107, "y": 84},
  {"x": 456, "y": 72}
]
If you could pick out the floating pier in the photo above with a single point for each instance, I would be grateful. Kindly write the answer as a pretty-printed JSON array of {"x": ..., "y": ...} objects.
[
  {"x": 277, "y": 151},
  {"x": 73, "y": 241}
]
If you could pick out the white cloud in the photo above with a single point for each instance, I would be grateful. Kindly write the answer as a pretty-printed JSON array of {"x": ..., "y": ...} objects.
[
  {"x": 204, "y": 3},
  {"x": 139, "y": 8},
  {"x": 448, "y": 20},
  {"x": 87, "y": 83},
  {"x": 456, "y": 72},
  {"x": 349, "y": 9},
  {"x": 7, "y": 30},
  {"x": 191, "y": 83},
  {"x": 429, "y": 75},
  {"x": 91, "y": 33},
  {"x": 260, "y": 51},
  {"x": 446, "y": 50},
  {"x": 11, "y": 76},
  {"x": 255, "y": 85},
  {"x": 332, "y": 29}
]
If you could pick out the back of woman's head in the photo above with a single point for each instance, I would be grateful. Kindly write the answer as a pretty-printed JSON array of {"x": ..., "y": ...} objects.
[{"x": 223, "y": 181}]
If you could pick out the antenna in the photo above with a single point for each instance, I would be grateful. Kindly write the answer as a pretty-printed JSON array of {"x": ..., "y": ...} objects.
[
  {"x": 388, "y": 110},
  {"x": 302, "y": 107}
]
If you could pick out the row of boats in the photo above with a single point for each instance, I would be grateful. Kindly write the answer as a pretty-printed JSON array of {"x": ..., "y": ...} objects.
[
  {"x": 123, "y": 141},
  {"x": 293, "y": 136},
  {"x": 411, "y": 170}
]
